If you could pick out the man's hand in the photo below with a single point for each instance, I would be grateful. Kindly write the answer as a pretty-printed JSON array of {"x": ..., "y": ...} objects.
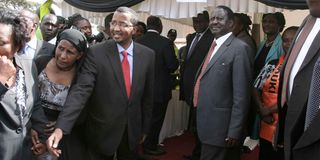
[
  {"x": 53, "y": 142},
  {"x": 49, "y": 128},
  {"x": 231, "y": 142}
]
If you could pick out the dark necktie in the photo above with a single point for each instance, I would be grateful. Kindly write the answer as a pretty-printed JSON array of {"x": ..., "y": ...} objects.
[
  {"x": 193, "y": 45},
  {"x": 293, "y": 55},
  {"x": 126, "y": 71},
  {"x": 204, "y": 66},
  {"x": 314, "y": 95}
]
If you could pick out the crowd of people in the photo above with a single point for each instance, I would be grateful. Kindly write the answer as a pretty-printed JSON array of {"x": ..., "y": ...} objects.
[{"x": 68, "y": 94}]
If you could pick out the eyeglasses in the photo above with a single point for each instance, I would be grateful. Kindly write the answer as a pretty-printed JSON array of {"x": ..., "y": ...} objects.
[{"x": 120, "y": 24}]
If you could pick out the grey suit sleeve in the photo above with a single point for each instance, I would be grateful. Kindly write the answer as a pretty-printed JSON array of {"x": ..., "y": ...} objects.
[
  {"x": 241, "y": 80},
  {"x": 78, "y": 95}
]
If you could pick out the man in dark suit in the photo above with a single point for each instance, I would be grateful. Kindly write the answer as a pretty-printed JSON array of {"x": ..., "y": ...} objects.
[
  {"x": 300, "y": 141},
  {"x": 165, "y": 64},
  {"x": 222, "y": 91},
  {"x": 198, "y": 45},
  {"x": 34, "y": 47},
  {"x": 116, "y": 86}
]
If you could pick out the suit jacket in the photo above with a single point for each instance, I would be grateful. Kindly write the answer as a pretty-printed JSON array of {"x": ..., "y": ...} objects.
[
  {"x": 14, "y": 131},
  {"x": 224, "y": 94},
  {"x": 191, "y": 65},
  {"x": 100, "y": 87},
  {"x": 300, "y": 144},
  {"x": 165, "y": 64},
  {"x": 44, "y": 48}
]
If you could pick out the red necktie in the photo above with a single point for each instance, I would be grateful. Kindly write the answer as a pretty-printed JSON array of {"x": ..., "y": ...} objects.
[
  {"x": 126, "y": 71},
  {"x": 293, "y": 55},
  {"x": 204, "y": 66}
]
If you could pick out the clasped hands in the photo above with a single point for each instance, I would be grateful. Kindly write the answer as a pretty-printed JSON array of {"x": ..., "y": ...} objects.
[{"x": 39, "y": 148}]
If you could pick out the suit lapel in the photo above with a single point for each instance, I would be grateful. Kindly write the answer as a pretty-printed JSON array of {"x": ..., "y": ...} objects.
[
  {"x": 220, "y": 51},
  {"x": 114, "y": 58},
  {"x": 312, "y": 51},
  {"x": 39, "y": 46}
]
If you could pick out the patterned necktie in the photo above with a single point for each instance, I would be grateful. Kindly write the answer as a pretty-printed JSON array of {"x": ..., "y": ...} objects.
[
  {"x": 293, "y": 55},
  {"x": 193, "y": 45},
  {"x": 314, "y": 96},
  {"x": 204, "y": 66},
  {"x": 126, "y": 71}
]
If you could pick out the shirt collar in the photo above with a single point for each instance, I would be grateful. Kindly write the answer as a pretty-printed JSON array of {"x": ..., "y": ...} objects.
[
  {"x": 129, "y": 50},
  {"x": 223, "y": 38},
  {"x": 32, "y": 43},
  {"x": 152, "y": 30}
]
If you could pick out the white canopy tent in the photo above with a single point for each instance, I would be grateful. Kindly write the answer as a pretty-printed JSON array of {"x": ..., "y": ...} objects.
[{"x": 178, "y": 15}]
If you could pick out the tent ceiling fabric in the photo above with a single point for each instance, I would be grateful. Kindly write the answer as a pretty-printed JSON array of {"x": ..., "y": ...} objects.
[
  {"x": 176, "y": 10},
  {"x": 102, "y": 5},
  {"x": 170, "y": 9},
  {"x": 289, "y": 4}
]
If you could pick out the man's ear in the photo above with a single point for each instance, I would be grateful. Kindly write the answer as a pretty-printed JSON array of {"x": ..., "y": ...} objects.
[
  {"x": 134, "y": 31},
  {"x": 230, "y": 24}
]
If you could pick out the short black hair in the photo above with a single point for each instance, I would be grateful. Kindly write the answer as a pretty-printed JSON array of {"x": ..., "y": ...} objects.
[
  {"x": 154, "y": 22},
  {"x": 230, "y": 13},
  {"x": 18, "y": 26},
  {"x": 107, "y": 20},
  {"x": 292, "y": 28},
  {"x": 281, "y": 21},
  {"x": 205, "y": 14},
  {"x": 244, "y": 20},
  {"x": 143, "y": 25}
]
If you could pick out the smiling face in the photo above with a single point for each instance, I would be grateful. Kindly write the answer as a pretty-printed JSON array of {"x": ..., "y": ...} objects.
[
  {"x": 66, "y": 55},
  {"x": 122, "y": 28},
  {"x": 219, "y": 23},
  {"x": 7, "y": 47}
]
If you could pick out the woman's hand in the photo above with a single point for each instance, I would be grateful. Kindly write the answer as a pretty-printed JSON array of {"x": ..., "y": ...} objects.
[
  {"x": 7, "y": 71},
  {"x": 37, "y": 147}
]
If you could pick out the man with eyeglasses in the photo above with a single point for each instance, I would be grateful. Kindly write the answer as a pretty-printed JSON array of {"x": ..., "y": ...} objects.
[{"x": 116, "y": 86}]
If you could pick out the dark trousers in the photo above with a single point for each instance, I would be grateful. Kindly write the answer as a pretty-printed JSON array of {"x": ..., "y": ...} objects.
[
  {"x": 158, "y": 115},
  {"x": 123, "y": 151},
  {"x": 210, "y": 152},
  {"x": 193, "y": 128},
  {"x": 267, "y": 151}
]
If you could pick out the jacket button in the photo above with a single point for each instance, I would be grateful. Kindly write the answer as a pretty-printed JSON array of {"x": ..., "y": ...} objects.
[
  {"x": 17, "y": 112},
  {"x": 18, "y": 130}
]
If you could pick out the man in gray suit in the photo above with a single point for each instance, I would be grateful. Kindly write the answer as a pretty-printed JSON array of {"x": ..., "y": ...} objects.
[{"x": 222, "y": 91}]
